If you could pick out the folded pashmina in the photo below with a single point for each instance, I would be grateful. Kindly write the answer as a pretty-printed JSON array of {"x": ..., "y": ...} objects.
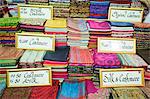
[
  {"x": 123, "y": 24},
  {"x": 39, "y": 1},
  {"x": 59, "y": 4},
  {"x": 60, "y": 1},
  {"x": 31, "y": 21},
  {"x": 119, "y": 5},
  {"x": 105, "y": 59},
  {"x": 13, "y": 21},
  {"x": 57, "y": 23},
  {"x": 78, "y": 25},
  {"x": 127, "y": 93},
  {"x": 10, "y": 53},
  {"x": 17, "y": 93},
  {"x": 142, "y": 25},
  {"x": 2, "y": 87},
  {"x": 60, "y": 54},
  {"x": 45, "y": 92},
  {"x": 31, "y": 59},
  {"x": 72, "y": 89},
  {"x": 132, "y": 60},
  {"x": 80, "y": 56},
  {"x": 98, "y": 25}
]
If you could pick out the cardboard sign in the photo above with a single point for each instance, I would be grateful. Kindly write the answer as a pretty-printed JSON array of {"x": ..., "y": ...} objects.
[
  {"x": 116, "y": 45},
  {"x": 125, "y": 14},
  {"x": 29, "y": 77},
  {"x": 35, "y": 41},
  {"x": 35, "y": 11},
  {"x": 121, "y": 77}
]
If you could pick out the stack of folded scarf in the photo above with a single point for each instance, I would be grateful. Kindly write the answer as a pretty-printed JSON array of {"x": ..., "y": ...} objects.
[
  {"x": 60, "y": 7},
  {"x": 45, "y": 92},
  {"x": 142, "y": 35},
  {"x": 136, "y": 4},
  {"x": 58, "y": 61},
  {"x": 3, "y": 74},
  {"x": 8, "y": 28},
  {"x": 72, "y": 89},
  {"x": 146, "y": 89},
  {"x": 122, "y": 29},
  {"x": 2, "y": 87},
  {"x": 31, "y": 59},
  {"x": 9, "y": 57},
  {"x": 132, "y": 60},
  {"x": 97, "y": 29},
  {"x": 104, "y": 60},
  {"x": 38, "y": 2},
  {"x": 99, "y": 9},
  {"x": 78, "y": 34},
  {"x": 58, "y": 28},
  {"x": 118, "y": 1},
  {"x": 94, "y": 92},
  {"x": 79, "y": 8},
  {"x": 119, "y": 5},
  {"x": 127, "y": 93},
  {"x": 147, "y": 75},
  {"x": 80, "y": 63},
  {"x": 32, "y": 24},
  {"x": 16, "y": 1}
]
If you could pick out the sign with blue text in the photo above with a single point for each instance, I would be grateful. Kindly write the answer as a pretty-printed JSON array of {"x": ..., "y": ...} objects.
[
  {"x": 35, "y": 41},
  {"x": 116, "y": 45},
  {"x": 121, "y": 77},
  {"x": 125, "y": 14},
  {"x": 29, "y": 77},
  {"x": 35, "y": 11}
]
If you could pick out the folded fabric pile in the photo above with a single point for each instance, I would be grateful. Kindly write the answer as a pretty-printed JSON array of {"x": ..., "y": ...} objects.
[
  {"x": 16, "y": 1},
  {"x": 44, "y": 92},
  {"x": 132, "y": 60},
  {"x": 118, "y": 1},
  {"x": 120, "y": 5},
  {"x": 58, "y": 28},
  {"x": 147, "y": 75},
  {"x": 2, "y": 87},
  {"x": 122, "y": 29},
  {"x": 104, "y": 60},
  {"x": 60, "y": 8},
  {"x": 3, "y": 74},
  {"x": 127, "y": 93},
  {"x": 78, "y": 34},
  {"x": 136, "y": 4},
  {"x": 94, "y": 92},
  {"x": 72, "y": 89},
  {"x": 97, "y": 29},
  {"x": 32, "y": 24},
  {"x": 79, "y": 8},
  {"x": 38, "y": 2},
  {"x": 142, "y": 35},
  {"x": 9, "y": 57},
  {"x": 31, "y": 59},
  {"x": 146, "y": 89},
  {"x": 99, "y": 10},
  {"x": 80, "y": 63},
  {"x": 58, "y": 61},
  {"x": 8, "y": 28}
]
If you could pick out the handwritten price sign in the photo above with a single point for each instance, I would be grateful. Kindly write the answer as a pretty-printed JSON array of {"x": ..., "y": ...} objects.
[
  {"x": 35, "y": 41},
  {"x": 28, "y": 77},
  {"x": 125, "y": 14},
  {"x": 116, "y": 45},
  {"x": 121, "y": 77},
  {"x": 35, "y": 11}
]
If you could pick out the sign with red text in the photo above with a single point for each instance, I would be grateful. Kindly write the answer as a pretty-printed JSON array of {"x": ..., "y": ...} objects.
[
  {"x": 125, "y": 14},
  {"x": 121, "y": 77},
  {"x": 35, "y": 41},
  {"x": 29, "y": 77},
  {"x": 116, "y": 45},
  {"x": 35, "y": 11}
]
